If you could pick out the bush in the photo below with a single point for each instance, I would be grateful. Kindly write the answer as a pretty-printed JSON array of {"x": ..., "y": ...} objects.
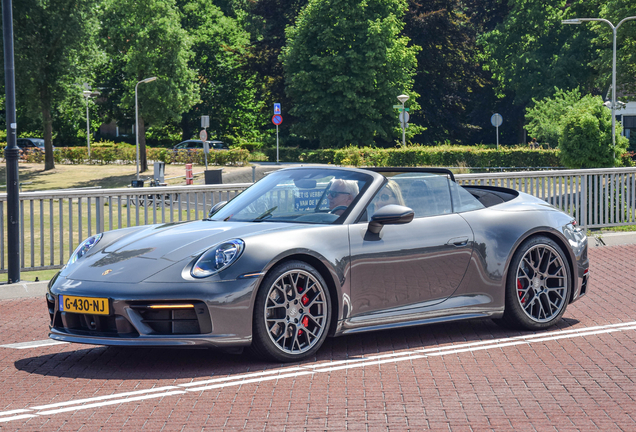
[
  {"x": 287, "y": 154},
  {"x": 106, "y": 153},
  {"x": 33, "y": 156},
  {"x": 586, "y": 136},
  {"x": 446, "y": 155},
  {"x": 258, "y": 157},
  {"x": 544, "y": 117}
]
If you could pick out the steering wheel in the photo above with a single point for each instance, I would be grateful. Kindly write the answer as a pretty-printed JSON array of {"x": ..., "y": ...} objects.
[{"x": 337, "y": 209}]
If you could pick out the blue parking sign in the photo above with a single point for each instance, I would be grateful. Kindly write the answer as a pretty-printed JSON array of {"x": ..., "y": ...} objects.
[{"x": 276, "y": 108}]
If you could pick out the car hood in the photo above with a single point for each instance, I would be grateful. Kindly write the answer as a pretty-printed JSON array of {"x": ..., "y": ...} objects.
[{"x": 133, "y": 257}]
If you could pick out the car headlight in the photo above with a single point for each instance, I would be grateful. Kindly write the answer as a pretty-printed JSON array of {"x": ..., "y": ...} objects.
[
  {"x": 218, "y": 258},
  {"x": 83, "y": 248}
]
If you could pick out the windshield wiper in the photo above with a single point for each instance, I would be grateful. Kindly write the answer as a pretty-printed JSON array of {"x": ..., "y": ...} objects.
[{"x": 268, "y": 213}]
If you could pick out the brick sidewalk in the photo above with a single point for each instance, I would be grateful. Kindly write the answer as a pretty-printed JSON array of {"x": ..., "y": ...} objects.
[{"x": 574, "y": 383}]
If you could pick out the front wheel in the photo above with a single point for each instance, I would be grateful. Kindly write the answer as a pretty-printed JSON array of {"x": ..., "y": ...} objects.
[
  {"x": 291, "y": 313},
  {"x": 538, "y": 285}
]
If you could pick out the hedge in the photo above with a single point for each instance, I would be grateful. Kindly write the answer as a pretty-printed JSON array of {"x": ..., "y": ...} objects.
[
  {"x": 101, "y": 155},
  {"x": 447, "y": 155}
]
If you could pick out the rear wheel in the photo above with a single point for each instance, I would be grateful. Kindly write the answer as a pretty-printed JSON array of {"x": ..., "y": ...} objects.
[
  {"x": 538, "y": 285},
  {"x": 291, "y": 313}
]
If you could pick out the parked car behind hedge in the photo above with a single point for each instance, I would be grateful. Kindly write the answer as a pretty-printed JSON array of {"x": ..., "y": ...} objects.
[{"x": 198, "y": 145}]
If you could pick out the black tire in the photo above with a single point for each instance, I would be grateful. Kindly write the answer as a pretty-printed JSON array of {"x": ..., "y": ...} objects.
[
  {"x": 292, "y": 313},
  {"x": 538, "y": 285}
]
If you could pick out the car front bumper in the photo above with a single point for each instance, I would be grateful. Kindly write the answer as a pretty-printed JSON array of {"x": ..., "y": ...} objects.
[{"x": 212, "y": 314}]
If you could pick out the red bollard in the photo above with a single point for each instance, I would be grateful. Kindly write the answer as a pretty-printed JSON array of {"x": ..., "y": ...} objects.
[{"x": 189, "y": 176}]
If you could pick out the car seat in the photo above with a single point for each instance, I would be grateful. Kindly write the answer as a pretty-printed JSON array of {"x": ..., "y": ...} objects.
[{"x": 420, "y": 198}]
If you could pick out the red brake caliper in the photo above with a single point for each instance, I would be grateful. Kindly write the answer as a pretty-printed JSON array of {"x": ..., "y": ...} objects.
[
  {"x": 304, "y": 300},
  {"x": 305, "y": 323},
  {"x": 520, "y": 288}
]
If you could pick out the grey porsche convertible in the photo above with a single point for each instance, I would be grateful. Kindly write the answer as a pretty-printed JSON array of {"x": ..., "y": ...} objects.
[{"x": 311, "y": 252}]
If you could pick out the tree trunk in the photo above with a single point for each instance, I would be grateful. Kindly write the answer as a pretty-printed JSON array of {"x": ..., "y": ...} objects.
[
  {"x": 186, "y": 128},
  {"x": 49, "y": 162},
  {"x": 143, "y": 162},
  {"x": 521, "y": 131}
]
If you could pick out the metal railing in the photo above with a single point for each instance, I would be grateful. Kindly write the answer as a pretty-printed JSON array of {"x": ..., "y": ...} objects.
[
  {"x": 595, "y": 197},
  {"x": 53, "y": 223}
]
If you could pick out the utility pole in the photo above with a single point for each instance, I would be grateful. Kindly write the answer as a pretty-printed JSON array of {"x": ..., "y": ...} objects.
[{"x": 614, "y": 29}]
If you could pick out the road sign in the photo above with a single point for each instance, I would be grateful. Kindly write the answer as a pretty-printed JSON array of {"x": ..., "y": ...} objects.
[
  {"x": 203, "y": 135},
  {"x": 205, "y": 121},
  {"x": 277, "y": 119},
  {"x": 496, "y": 121},
  {"x": 276, "y": 108},
  {"x": 404, "y": 117},
  {"x": 400, "y": 108}
]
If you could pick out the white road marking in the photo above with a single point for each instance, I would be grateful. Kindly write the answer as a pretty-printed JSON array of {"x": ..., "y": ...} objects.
[
  {"x": 113, "y": 402},
  {"x": 98, "y": 398},
  {"x": 295, "y": 371},
  {"x": 33, "y": 344},
  {"x": 18, "y": 411},
  {"x": 238, "y": 377},
  {"x": 19, "y": 417},
  {"x": 250, "y": 381}
]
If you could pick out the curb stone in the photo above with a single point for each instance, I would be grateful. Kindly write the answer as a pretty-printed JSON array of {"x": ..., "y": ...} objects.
[
  {"x": 23, "y": 289},
  {"x": 612, "y": 239}
]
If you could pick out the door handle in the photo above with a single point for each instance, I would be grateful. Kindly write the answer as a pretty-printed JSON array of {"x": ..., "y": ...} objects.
[{"x": 458, "y": 241}]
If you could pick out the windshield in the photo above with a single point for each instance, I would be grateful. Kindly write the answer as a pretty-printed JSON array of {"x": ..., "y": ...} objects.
[{"x": 306, "y": 195}]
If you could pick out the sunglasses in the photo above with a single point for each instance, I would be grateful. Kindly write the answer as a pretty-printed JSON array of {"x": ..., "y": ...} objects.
[
  {"x": 386, "y": 197},
  {"x": 334, "y": 194}
]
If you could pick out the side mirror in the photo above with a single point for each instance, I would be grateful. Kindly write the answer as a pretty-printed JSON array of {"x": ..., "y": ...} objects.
[
  {"x": 391, "y": 214},
  {"x": 216, "y": 207}
]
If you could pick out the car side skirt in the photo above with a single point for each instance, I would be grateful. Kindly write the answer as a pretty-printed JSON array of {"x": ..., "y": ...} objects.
[{"x": 472, "y": 307}]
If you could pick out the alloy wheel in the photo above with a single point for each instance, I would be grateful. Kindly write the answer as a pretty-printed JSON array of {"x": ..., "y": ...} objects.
[
  {"x": 295, "y": 312},
  {"x": 542, "y": 281}
]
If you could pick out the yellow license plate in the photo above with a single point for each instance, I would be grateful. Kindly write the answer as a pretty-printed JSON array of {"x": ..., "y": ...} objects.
[{"x": 85, "y": 305}]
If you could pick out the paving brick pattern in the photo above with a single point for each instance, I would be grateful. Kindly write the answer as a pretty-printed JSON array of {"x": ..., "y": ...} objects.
[{"x": 581, "y": 383}]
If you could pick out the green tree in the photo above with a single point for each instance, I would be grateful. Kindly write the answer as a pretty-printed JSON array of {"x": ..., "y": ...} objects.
[
  {"x": 266, "y": 20},
  {"x": 543, "y": 119},
  {"x": 586, "y": 136},
  {"x": 227, "y": 86},
  {"x": 142, "y": 39},
  {"x": 345, "y": 63},
  {"x": 615, "y": 11},
  {"x": 531, "y": 52},
  {"x": 448, "y": 72},
  {"x": 55, "y": 52}
]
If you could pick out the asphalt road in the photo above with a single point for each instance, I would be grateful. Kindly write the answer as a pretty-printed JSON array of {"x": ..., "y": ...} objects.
[{"x": 472, "y": 375}]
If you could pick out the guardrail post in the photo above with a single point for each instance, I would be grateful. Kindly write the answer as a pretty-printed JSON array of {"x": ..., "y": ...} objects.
[
  {"x": 99, "y": 213},
  {"x": 584, "y": 204}
]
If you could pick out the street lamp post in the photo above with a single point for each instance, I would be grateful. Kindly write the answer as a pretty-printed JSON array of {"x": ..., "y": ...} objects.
[
  {"x": 147, "y": 80},
  {"x": 87, "y": 95},
  {"x": 403, "y": 98},
  {"x": 11, "y": 152},
  {"x": 614, "y": 29}
]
